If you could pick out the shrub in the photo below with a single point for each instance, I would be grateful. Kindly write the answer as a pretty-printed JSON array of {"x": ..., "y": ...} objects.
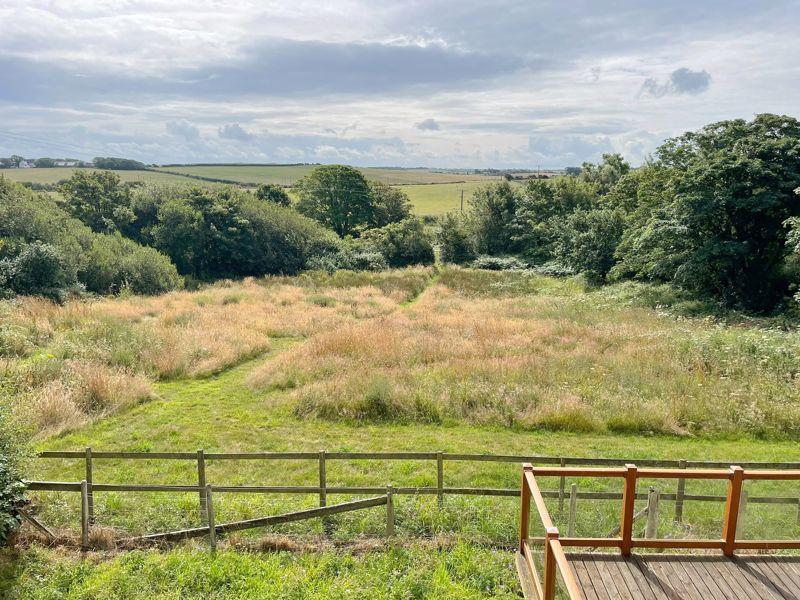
[
  {"x": 37, "y": 270},
  {"x": 13, "y": 452},
  {"x": 389, "y": 204},
  {"x": 587, "y": 241},
  {"x": 99, "y": 199},
  {"x": 499, "y": 263},
  {"x": 116, "y": 263},
  {"x": 404, "y": 243},
  {"x": 456, "y": 240},
  {"x": 273, "y": 193}
]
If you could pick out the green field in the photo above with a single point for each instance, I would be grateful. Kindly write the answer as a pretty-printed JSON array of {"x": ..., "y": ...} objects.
[
  {"x": 441, "y": 198},
  {"x": 56, "y": 174},
  {"x": 288, "y": 175},
  {"x": 418, "y": 360}
]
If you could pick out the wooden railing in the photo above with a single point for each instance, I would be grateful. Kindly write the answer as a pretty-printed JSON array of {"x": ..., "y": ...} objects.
[{"x": 555, "y": 560}]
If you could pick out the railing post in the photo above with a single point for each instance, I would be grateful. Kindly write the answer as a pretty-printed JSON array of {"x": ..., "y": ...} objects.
[
  {"x": 84, "y": 514},
  {"x": 562, "y": 482},
  {"x": 323, "y": 492},
  {"x": 389, "y": 510},
  {"x": 212, "y": 525},
  {"x": 439, "y": 479},
  {"x": 573, "y": 509},
  {"x": 732, "y": 502},
  {"x": 628, "y": 500},
  {"x": 651, "y": 529},
  {"x": 679, "y": 494},
  {"x": 549, "y": 577},
  {"x": 201, "y": 485},
  {"x": 742, "y": 510},
  {"x": 89, "y": 484},
  {"x": 525, "y": 508}
]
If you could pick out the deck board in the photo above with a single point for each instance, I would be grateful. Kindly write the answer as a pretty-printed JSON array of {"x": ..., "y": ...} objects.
[{"x": 686, "y": 577}]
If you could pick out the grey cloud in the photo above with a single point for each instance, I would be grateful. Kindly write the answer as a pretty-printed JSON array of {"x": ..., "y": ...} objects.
[
  {"x": 681, "y": 81},
  {"x": 183, "y": 128},
  {"x": 234, "y": 131},
  {"x": 428, "y": 125}
]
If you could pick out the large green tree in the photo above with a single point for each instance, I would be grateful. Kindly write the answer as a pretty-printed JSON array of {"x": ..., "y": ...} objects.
[
  {"x": 99, "y": 199},
  {"x": 719, "y": 228},
  {"x": 337, "y": 196}
]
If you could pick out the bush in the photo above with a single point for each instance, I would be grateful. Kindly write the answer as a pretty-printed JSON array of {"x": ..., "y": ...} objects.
[
  {"x": 587, "y": 241},
  {"x": 456, "y": 242},
  {"x": 13, "y": 452},
  {"x": 37, "y": 270},
  {"x": 499, "y": 263},
  {"x": 389, "y": 204},
  {"x": 115, "y": 263},
  {"x": 402, "y": 244},
  {"x": 273, "y": 193}
]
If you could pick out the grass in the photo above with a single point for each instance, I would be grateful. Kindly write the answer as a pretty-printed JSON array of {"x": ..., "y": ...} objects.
[
  {"x": 56, "y": 174},
  {"x": 441, "y": 198},
  {"x": 287, "y": 175},
  {"x": 420, "y": 359},
  {"x": 383, "y": 572}
]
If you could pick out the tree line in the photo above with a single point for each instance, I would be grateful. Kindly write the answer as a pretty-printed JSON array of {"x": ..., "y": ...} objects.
[{"x": 715, "y": 212}]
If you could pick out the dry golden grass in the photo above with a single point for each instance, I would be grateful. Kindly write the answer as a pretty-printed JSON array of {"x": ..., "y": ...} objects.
[
  {"x": 552, "y": 360},
  {"x": 69, "y": 364}
]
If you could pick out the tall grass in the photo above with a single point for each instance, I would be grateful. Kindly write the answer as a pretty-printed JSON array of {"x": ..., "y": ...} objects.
[
  {"x": 524, "y": 351},
  {"x": 65, "y": 365}
]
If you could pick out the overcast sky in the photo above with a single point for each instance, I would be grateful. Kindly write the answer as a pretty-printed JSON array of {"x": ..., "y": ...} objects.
[{"x": 423, "y": 83}]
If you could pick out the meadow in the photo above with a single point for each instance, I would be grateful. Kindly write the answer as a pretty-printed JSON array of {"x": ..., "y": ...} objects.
[
  {"x": 287, "y": 175},
  {"x": 434, "y": 359},
  {"x": 56, "y": 174}
]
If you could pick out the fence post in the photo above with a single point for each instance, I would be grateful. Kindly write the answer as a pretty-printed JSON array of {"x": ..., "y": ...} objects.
[
  {"x": 628, "y": 500},
  {"x": 212, "y": 525},
  {"x": 651, "y": 529},
  {"x": 681, "y": 492},
  {"x": 201, "y": 485},
  {"x": 732, "y": 502},
  {"x": 323, "y": 492},
  {"x": 389, "y": 510},
  {"x": 561, "y": 485},
  {"x": 525, "y": 508},
  {"x": 549, "y": 576},
  {"x": 84, "y": 514},
  {"x": 573, "y": 509},
  {"x": 439, "y": 479},
  {"x": 90, "y": 495}
]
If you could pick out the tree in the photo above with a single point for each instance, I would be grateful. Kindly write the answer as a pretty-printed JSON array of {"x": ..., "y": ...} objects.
[
  {"x": 587, "y": 241},
  {"x": 715, "y": 226},
  {"x": 99, "y": 199},
  {"x": 273, "y": 193},
  {"x": 494, "y": 208},
  {"x": 389, "y": 204},
  {"x": 338, "y": 197},
  {"x": 540, "y": 212},
  {"x": 118, "y": 164},
  {"x": 16, "y": 160},
  {"x": 403, "y": 243},
  {"x": 37, "y": 270},
  {"x": 44, "y": 163},
  {"x": 456, "y": 242},
  {"x": 606, "y": 174}
]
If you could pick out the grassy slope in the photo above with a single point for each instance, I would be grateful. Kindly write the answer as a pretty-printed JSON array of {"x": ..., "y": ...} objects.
[
  {"x": 288, "y": 175},
  {"x": 56, "y": 174},
  {"x": 438, "y": 199},
  {"x": 223, "y": 413}
]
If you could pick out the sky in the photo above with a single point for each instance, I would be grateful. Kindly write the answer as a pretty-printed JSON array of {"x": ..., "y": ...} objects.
[{"x": 450, "y": 83}]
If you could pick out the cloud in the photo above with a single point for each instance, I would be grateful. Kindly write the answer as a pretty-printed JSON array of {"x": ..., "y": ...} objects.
[
  {"x": 428, "y": 125},
  {"x": 183, "y": 128},
  {"x": 234, "y": 131},
  {"x": 681, "y": 81}
]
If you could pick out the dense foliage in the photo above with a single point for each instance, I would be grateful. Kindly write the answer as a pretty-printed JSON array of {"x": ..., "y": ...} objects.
[
  {"x": 271, "y": 192},
  {"x": 117, "y": 164},
  {"x": 403, "y": 243},
  {"x": 343, "y": 200},
  {"x": 708, "y": 214},
  {"x": 13, "y": 453}
]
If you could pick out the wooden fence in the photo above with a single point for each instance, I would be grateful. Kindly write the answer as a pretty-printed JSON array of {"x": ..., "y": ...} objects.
[
  {"x": 88, "y": 487},
  {"x": 555, "y": 560}
]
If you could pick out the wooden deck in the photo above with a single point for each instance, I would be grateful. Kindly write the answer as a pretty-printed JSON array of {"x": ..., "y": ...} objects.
[{"x": 673, "y": 577}]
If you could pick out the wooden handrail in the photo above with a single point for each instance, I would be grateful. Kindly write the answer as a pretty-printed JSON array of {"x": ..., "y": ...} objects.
[{"x": 728, "y": 543}]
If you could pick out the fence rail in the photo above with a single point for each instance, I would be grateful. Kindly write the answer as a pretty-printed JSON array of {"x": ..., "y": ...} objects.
[
  {"x": 555, "y": 560},
  {"x": 577, "y": 466}
]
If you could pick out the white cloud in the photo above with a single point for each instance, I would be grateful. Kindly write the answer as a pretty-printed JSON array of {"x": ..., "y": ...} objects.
[{"x": 529, "y": 82}]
